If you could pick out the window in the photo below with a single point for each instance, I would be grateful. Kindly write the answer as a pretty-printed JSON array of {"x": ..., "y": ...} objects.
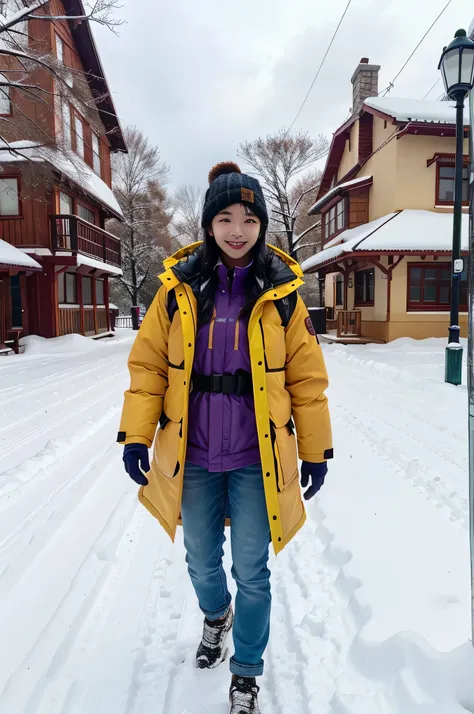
[
  {"x": 87, "y": 291},
  {"x": 99, "y": 292},
  {"x": 429, "y": 287},
  {"x": 85, "y": 213},
  {"x": 5, "y": 104},
  {"x": 67, "y": 288},
  {"x": 365, "y": 287},
  {"x": 445, "y": 181},
  {"x": 65, "y": 204},
  {"x": 339, "y": 290},
  {"x": 96, "y": 153},
  {"x": 79, "y": 129},
  {"x": 67, "y": 128},
  {"x": 59, "y": 49},
  {"x": 335, "y": 219},
  {"x": 9, "y": 197}
]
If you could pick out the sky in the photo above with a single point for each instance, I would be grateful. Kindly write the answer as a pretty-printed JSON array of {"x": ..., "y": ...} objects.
[{"x": 199, "y": 77}]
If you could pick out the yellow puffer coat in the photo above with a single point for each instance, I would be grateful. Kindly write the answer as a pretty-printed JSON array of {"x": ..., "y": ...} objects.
[{"x": 289, "y": 380}]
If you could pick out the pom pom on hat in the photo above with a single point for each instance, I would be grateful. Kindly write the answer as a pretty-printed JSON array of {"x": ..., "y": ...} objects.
[{"x": 225, "y": 167}]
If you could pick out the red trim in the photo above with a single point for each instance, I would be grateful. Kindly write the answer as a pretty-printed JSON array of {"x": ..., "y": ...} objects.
[
  {"x": 437, "y": 157},
  {"x": 20, "y": 204},
  {"x": 439, "y": 164}
]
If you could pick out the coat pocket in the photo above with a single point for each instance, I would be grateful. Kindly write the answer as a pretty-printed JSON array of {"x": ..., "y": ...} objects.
[
  {"x": 286, "y": 456},
  {"x": 167, "y": 443}
]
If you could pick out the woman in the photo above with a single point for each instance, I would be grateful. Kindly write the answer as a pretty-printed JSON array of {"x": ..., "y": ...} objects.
[{"x": 224, "y": 360}]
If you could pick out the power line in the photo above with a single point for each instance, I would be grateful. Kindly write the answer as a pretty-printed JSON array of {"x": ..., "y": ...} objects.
[
  {"x": 320, "y": 66},
  {"x": 419, "y": 43},
  {"x": 434, "y": 85}
]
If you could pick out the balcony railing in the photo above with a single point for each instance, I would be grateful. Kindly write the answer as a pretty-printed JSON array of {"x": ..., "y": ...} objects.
[{"x": 71, "y": 233}]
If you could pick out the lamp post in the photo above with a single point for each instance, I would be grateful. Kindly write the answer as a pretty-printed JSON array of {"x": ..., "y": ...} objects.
[
  {"x": 470, "y": 361},
  {"x": 457, "y": 69}
]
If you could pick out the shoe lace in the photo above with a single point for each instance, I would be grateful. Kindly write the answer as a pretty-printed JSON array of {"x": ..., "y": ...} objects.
[{"x": 243, "y": 694}]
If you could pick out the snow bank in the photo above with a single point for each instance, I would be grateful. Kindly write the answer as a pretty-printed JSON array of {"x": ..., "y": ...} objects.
[{"x": 74, "y": 344}]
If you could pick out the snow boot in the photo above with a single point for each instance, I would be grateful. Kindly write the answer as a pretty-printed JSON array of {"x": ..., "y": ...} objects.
[
  {"x": 243, "y": 695},
  {"x": 212, "y": 651}
]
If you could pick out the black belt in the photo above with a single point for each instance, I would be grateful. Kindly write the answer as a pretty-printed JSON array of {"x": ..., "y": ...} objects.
[{"x": 223, "y": 383}]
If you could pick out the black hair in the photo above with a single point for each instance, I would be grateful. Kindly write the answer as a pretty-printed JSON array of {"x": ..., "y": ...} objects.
[{"x": 256, "y": 281}]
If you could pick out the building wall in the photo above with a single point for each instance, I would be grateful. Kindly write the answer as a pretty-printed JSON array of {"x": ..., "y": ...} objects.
[
  {"x": 383, "y": 167},
  {"x": 416, "y": 183}
]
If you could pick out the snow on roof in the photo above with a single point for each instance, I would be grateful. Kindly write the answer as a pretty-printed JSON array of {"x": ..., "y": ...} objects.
[
  {"x": 98, "y": 265},
  {"x": 11, "y": 256},
  {"x": 113, "y": 307},
  {"x": 334, "y": 191},
  {"x": 406, "y": 231},
  {"x": 419, "y": 110},
  {"x": 72, "y": 166}
]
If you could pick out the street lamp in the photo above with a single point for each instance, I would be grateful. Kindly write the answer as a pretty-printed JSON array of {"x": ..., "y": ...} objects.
[{"x": 457, "y": 69}]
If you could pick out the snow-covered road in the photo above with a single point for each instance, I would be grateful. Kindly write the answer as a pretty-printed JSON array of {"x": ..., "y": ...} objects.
[{"x": 371, "y": 600}]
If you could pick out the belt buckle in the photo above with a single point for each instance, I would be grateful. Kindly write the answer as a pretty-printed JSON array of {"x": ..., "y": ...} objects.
[{"x": 216, "y": 383}]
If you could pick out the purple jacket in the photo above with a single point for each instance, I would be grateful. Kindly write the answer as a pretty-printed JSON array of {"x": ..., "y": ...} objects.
[{"x": 222, "y": 433}]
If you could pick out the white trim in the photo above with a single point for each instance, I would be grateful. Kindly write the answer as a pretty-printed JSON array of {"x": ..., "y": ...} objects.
[
  {"x": 35, "y": 251},
  {"x": 68, "y": 306}
]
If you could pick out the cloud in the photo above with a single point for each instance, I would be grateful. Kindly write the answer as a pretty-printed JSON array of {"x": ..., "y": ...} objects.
[{"x": 199, "y": 78}]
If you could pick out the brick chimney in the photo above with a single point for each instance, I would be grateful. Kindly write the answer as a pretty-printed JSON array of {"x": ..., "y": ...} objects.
[{"x": 365, "y": 83}]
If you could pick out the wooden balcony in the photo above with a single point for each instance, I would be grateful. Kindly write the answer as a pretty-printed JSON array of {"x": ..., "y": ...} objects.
[{"x": 71, "y": 233}]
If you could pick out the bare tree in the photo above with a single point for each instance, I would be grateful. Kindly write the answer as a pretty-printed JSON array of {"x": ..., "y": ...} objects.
[
  {"x": 140, "y": 179},
  {"x": 307, "y": 229},
  {"x": 25, "y": 62},
  {"x": 187, "y": 203},
  {"x": 277, "y": 160}
]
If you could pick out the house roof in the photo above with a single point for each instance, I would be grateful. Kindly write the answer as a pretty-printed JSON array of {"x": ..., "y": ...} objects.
[
  {"x": 11, "y": 257},
  {"x": 408, "y": 231},
  {"x": 73, "y": 167},
  {"x": 415, "y": 110},
  {"x": 87, "y": 49},
  {"x": 337, "y": 190}
]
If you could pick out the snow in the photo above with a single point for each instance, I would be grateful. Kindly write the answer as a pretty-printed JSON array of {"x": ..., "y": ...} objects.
[
  {"x": 9, "y": 255},
  {"x": 371, "y": 600},
  {"x": 113, "y": 307},
  {"x": 72, "y": 166},
  {"x": 334, "y": 191},
  {"x": 98, "y": 264},
  {"x": 407, "y": 231},
  {"x": 416, "y": 110}
]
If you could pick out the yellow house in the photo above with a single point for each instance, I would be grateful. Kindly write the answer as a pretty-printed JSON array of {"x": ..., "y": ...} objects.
[{"x": 386, "y": 204}]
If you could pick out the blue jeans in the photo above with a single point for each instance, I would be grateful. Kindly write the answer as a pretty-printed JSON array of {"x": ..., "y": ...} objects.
[{"x": 207, "y": 497}]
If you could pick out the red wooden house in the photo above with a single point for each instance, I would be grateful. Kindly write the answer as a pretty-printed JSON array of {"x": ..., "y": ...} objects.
[{"x": 59, "y": 222}]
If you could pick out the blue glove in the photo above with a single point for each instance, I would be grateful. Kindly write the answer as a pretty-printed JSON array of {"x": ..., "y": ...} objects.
[
  {"x": 135, "y": 459},
  {"x": 317, "y": 473}
]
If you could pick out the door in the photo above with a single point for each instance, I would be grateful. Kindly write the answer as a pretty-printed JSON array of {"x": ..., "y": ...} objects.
[
  {"x": 15, "y": 292},
  {"x": 64, "y": 231}
]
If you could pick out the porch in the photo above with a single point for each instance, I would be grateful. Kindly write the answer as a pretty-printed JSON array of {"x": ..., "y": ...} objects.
[{"x": 73, "y": 235}]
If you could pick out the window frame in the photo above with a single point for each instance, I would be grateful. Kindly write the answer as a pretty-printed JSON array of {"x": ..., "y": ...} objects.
[
  {"x": 84, "y": 279},
  {"x": 20, "y": 207},
  {"x": 96, "y": 156},
  {"x": 62, "y": 276},
  {"x": 78, "y": 119},
  {"x": 102, "y": 281},
  {"x": 421, "y": 306},
  {"x": 84, "y": 206},
  {"x": 6, "y": 95},
  {"x": 331, "y": 216},
  {"x": 364, "y": 302},
  {"x": 448, "y": 160},
  {"x": 59, "y": 40}
]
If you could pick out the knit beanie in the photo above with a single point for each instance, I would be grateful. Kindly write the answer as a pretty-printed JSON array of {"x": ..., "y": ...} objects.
[{"x": 228, "y": 185}]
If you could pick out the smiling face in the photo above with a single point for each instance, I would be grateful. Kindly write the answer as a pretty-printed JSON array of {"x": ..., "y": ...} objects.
[{"x": 236, "y": 230}]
